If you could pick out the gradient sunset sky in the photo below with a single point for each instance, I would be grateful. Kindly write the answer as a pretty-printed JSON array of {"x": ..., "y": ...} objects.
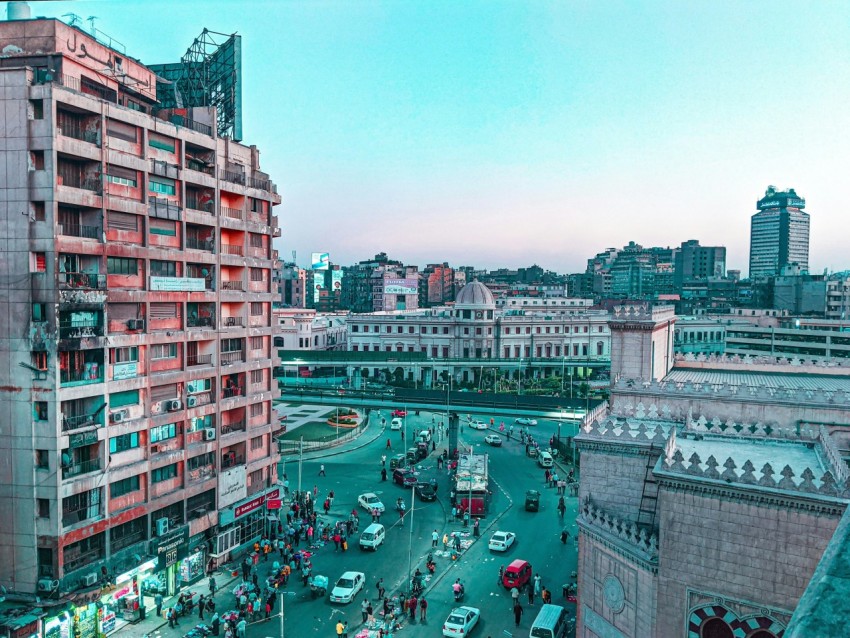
[{"x": 505, "y": 133}]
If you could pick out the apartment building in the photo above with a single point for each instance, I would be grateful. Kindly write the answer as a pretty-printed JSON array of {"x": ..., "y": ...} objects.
[{"x": 136, "y": 381}]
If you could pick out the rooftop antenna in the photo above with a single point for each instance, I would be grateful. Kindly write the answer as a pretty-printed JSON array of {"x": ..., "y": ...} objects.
[{"x": 91, "y": 20}]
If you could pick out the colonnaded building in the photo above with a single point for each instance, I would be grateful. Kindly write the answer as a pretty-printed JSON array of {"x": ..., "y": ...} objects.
[
  {"x": 477, "y": 332},
  {"x": 713, "y": 494}
]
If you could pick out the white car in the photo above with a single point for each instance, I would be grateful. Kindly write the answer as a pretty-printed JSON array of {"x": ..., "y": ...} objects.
[
  {"x": 461, "y": 620},
  {"x": 524, "y": 420},
  {"x": 347, "y": 587},
  {"x": 478, "y": 425},
  {"x": 370, "y": 501},
  {"x": 493, "y": 439},
  {"x": 500, "y": 541},
  {"x": 395, "y": 424}
]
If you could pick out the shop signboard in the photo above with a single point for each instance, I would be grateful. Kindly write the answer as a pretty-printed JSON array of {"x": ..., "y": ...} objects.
[
  {"x": 171, "y": 547},
  {"x": 274, "y": 504},
  {"x": 232, "y": 486},
  {"x": 178, "y": 284},
  {"x": 107, "y": 624},
  {"x": 124, "y": 370},
  {"x": 82, "y": 439},
  {"x": 227, "y": 516},
  {"x": 401, "y": 286}
]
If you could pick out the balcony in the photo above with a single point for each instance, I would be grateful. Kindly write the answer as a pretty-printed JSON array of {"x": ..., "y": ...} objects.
[
  {"x": 82, "y": 280},
  {"x": 228, "y": 358},
  {"x": 93, "y": 184},
  {"x": 233, "y": 213},
  {"x": 232, "y": 249},
  {"x": 203, "y": 206},
  {"x": 234, "y": 177},
  {"x": 76, "y": 130},
  {"x": 200, "y": 322},
  {"x": 233, "y": 322},
  {"x": 78, "y": 469},
  {"x": 193, "y": 360},
  {"x": 78, "y": 230},
  {"x": 128, "y": 539},
  {"x": 80, "y": 329},
  {"x": 201, "y": 474},
  {"x": 231, "y": 428},
  {"x": 76, "y": 422},
  {"x": 196, "y": 243},
  {"x": 82, "y": 377},
  {"x": 74, "y": 560},
  {"x": 229, "y": 393},
  {"x": 262, "y": 184},
  {"x": 233, "y": 286},
  {"x": 163, "y": 208},
  {"x": 74, "y": 517},
  {"x": 164, "y": 169},
  {"x": 231, "y": 459}
]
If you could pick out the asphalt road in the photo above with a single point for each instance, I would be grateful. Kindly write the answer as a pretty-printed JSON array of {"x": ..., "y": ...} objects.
[{"x": 358, "y": 471}]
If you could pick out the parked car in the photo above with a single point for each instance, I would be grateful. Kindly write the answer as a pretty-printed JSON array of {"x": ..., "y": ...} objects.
[
  {"x": 501, "y": 541},
  {"x": 426, "y": 492},
  {"x": 404, "y": 477},
  {"x": 347, "y": 587},
  {"x": 399, "y": 414},
  {"x": 532, "y": 451},
  {"x": 524, "y": 420},
  {"x": 399, "y": 460},
  {"x": 461, "y": 621},
  {"x": 477, "y": 424},
  {"x": 370, "y": 501},
  {"x": 493, "y": 439}
]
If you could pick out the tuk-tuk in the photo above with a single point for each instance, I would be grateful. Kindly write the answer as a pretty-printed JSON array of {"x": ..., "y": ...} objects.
[
  {"x": 399, "y": 460},
  {"x": 421, "y": 450},
  {"x": 412, "y": 455},
  {"x": 532, "y": 501}
]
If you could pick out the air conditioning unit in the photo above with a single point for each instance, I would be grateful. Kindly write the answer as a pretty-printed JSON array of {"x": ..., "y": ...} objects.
[
  {"x": 161, "y": 526},
  {"x": 173, "y": 405},
  {"x": 118, "y": 416},
  {"x": 136, "y": 324},
  {"x": 209, "y": 434},
  {"x": 47, "y": 584},
  {"x": 90, "y": 579},
  {"x": 192, "y": 402}
]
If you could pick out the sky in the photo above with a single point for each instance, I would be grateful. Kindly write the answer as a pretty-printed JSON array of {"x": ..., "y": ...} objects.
[{"x": 506, "y": 133}]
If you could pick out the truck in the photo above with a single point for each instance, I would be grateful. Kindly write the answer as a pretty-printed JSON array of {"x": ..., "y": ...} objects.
[{"x": 471, "y": 484}]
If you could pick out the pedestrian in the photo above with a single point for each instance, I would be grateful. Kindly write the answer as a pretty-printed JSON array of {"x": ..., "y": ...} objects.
[
  {"x": 389, "y": 445},
  {"x": 445, "y": 542},
  {"x": 383, "y": 460},
  {"x": 411, "y": 604},
  {"x": 383, "y": 474},
  {"x": 475, "y": 528},
  {"x": 423, "y": 607},
  {"x": 515, "y": 595},
  {"x": 517, "y": 613},
  {"x": 215, "y": 624},
  {"x": 322, "y": 470},
  {"x": 340, "y": 628},
  {"x": 546, "y": 595},
  {"x": 435, "y": 537},
  {"x": 201, "y": 604},
  {"x": 538, "y": 584},
  {"x": 501, "y": 574},
  {"x": 531, "y": 595},
  {"x": 364, "y": 609},
  {"x": 315, "y": 493},
  {"x": 241, "y": 626},
  {"x": 158, "y": 601},
  {"x": 380, "y": 587},
  {"x": 172, "y": 620},
  {"x": 268, "y": 610}
]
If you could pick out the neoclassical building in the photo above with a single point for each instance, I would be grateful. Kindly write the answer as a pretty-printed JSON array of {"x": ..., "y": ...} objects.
[
  {"x": 711, "y": 489},
  {"x": 475, "y": 333}
]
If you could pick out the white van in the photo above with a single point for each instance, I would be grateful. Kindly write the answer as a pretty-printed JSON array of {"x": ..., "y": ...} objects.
[
  {"x": 425, "y": 436},
  {"x": 551, "y": 622},
  {"x": 544, "y": 459},
  {"x": 372, "y": 537}
]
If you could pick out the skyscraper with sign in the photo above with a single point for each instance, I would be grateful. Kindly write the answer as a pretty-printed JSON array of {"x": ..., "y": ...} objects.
[{"x": 779, "y": 233}]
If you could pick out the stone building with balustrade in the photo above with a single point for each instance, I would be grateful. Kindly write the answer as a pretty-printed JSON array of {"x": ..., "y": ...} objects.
[{"x": 711, "y": 490}]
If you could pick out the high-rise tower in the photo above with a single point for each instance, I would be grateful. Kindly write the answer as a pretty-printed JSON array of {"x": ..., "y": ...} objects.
[{"x": 779, "y": 233}]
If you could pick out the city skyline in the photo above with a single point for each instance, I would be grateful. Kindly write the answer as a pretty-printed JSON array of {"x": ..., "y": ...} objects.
[{"x": 428, "y": 130}]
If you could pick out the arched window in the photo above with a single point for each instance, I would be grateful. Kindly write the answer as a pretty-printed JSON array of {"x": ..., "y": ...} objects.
[{"x": 715, "y": 628}]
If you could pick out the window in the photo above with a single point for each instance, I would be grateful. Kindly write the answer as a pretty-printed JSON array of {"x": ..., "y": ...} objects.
[
  {"x": 162, "y": 227},
  {"x": 125, "y": 355},
  {"x": 37, "y": 160},
  {"x": 256, "y": 308},
  {"x": 40, "y": 410},
  {"x": 164, "y": 351},
  {"x": 43, "y": 508},
  {"x": 122, "y": 176},
  {"x": 37, "y": 107},
  {"x": 37, "y": 210},
  {"x": 256, "y": 376},
  {"x": 161, "y": 142},
  {"x": 161, "y": 310},
  {"x": 163, "y": 268},
  {"x": 163, "y": 432},
  {"x": 38, "y": 262},
  {"x": 258, "y": 409},
  {"x": 39, "y": 360},
  {"x": 256, "y": 343},
  {"x": 162, "y": 186},
  {"x": 122, "y": 221},
  {"x": 42, "y": 461},
  {"x": 121, "y": 130},
  {"x": 39, "y": 312},
  {"x": 446, "y": 330},
  {"x": 256, "y": 443},
  {"x": 123, "y": 443},
  {"x": 255, "y": 240},
  {"x": 255, "y": 477},
  {"x": 125, "y": 486},
  {"x": 122, "y": 399},
  {"x": 164, "y": 473},
  {"x": 122, "y": 266},
  {"x": 256, "y": 274}
]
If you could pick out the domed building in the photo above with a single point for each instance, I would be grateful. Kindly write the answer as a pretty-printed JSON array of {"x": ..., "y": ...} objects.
[{"x": 474, "y": 336}]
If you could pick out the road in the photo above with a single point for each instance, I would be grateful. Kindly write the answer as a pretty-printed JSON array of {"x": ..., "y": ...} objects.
[{"x": 358, "y": 471}]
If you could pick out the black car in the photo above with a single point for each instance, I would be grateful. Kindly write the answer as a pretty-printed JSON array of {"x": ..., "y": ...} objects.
[
  {"x": 426, "y": 492},
  {"x": 532, "y": 501}
]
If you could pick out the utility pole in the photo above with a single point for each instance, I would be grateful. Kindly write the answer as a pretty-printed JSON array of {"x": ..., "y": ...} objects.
[
  {"x": 410, "y": 540},
  {"x": 300, "y": 463}
]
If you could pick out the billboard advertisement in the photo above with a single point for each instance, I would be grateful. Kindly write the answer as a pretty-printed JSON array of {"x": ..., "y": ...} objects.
[
  {"x": 336, "y": 281},
  {"x": 320, "y": 261},
  {"x": 317, "y": 288},
  {"x": 401, "y": 286}
]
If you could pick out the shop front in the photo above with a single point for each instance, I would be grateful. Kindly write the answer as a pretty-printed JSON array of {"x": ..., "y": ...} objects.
[
  {"x": 242, "y": 524},
  {"x": 192, "y": 568},
  {"x": 170, "y": 550},
  {"x": 58, "y": 626},
  {"x": 124, "y": 603}
]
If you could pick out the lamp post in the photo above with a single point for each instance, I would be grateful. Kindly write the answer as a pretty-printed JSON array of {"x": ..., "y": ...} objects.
[
  {"x": 519, "y": 378},
  {"x": 300, "y": 462},
  {"x": 410, "y": 537},
  {"x": 282, "y": 594}
]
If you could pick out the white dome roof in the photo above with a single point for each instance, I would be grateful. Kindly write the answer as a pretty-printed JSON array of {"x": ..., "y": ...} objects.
[{"x": 475, "y": 295}]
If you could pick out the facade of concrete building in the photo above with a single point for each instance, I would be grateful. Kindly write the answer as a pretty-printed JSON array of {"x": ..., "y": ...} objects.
[
  {"x": 693, "y": 262},
  {"x": 305, "y": 329},
  {"x": 379, "y": 284},
  {"x": 475, "y": 328},
  {"x": 779, "y": 234},
  {"x": 136, "y": 285},
  {"x": 436, "y": 287},
  {"x": 552, "y": 305},
  {"x": 709, "y": 491},
  {"x": 699, "y": 335},
  {"x": 292, "y": 286}
]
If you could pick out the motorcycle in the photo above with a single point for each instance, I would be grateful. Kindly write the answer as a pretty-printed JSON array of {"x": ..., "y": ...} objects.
[{"x": 458, "y": 591}]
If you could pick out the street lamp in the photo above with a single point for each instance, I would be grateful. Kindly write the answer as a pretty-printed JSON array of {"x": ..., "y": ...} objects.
[
  {"x": 282, "y": 594},
  {"x": 410, "y": 537}
]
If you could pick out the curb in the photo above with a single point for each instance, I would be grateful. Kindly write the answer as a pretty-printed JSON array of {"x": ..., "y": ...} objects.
[{"x": 337, "y": 450}]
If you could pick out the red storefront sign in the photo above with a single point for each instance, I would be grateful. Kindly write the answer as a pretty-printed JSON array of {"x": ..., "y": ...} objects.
[
  {"x": 254, "y": 503},
  {"x": 274, "y": 504}
]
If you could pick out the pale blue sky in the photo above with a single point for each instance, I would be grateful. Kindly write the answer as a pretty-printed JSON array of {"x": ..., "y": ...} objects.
[{"x": 506, "y": 133}]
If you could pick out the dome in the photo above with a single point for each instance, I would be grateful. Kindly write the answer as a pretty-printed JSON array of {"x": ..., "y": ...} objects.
[{"x": 475, "y": 295}]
